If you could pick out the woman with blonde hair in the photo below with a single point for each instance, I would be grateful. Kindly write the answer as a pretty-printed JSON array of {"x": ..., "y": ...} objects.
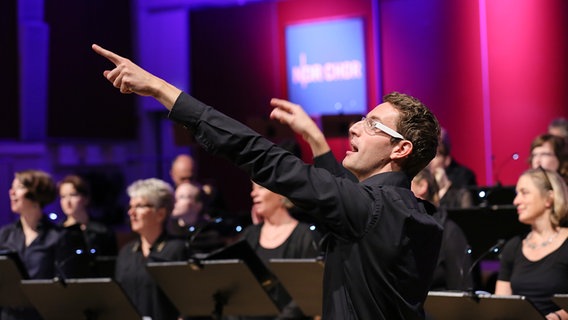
[{"x": 535, "y": 265}]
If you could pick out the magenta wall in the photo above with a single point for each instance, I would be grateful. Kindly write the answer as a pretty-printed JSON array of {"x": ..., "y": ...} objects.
[
  {"x": 528, "y": 74},
  {"x": 494, "y": 72},
  {"x": 494, "y": 77}
]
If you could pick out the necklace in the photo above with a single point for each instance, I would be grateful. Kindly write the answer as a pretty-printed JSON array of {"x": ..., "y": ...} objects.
[{"x": 533, "y": 245}]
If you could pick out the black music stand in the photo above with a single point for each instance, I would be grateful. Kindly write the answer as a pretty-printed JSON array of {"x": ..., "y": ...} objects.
[
  {"x": 303, "y": 278},
  {"x": 89, "y": 299},
  {"x": 561, "y": 300},
  {"x": 483, "y": 227},
  {"x": 212, "y": 288},
  {"x": 493, "y": 307},
  {"x": 12, "y": 272},
  {"x": 449, "y": 305}
]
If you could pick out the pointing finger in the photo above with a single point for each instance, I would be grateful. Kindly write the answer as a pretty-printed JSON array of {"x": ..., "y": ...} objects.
[{"x": 113, "y": 57}]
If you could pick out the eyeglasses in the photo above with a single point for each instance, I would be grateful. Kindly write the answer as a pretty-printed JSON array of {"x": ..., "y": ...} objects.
[
  {"x": 140, "y": 206},
  {"x": 374, "y": 127}
]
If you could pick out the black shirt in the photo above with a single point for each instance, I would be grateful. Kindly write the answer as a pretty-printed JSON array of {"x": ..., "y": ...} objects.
[
  {"x": 44, "y": 258},
  {"x": 139, "y": 285},
  {"x": 383, "y": 246},
  {"x": 536, "y": 280}
]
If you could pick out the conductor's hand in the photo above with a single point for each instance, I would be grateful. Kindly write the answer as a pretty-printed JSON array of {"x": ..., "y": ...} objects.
[
  {"x": 130, "y": 78},
  {"x": 299, "y": 121}
]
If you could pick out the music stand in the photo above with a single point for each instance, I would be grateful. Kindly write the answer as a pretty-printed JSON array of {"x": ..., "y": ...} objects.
[
  {"x": 212, "y": 287},
  {"x": 450, "y": 305},
  {"x": 483, "y": 227},
  {"x": 303, "y": 278},
  {"x": 89, "y": 298},
  {"x": 493, "y": 307},
  {"x": 12, "y": 272},
  {"x": 561, "y": 300}
]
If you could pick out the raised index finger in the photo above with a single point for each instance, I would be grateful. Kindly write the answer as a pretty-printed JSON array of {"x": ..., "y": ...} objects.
[{"x": 113, "y": 57}]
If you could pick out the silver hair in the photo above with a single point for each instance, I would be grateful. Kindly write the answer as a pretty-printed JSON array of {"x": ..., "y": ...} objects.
[{"x": 158, "y": 192}]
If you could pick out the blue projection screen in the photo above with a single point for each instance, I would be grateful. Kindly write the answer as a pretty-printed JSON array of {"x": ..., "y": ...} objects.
[{"x": 325, "y": 65}]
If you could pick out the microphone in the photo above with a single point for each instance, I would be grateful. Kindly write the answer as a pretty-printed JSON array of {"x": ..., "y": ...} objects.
[
  {"x": 513, "y": 157},
  {"x": 495, "y": 249},
  {"x": 195, "y": 232}
]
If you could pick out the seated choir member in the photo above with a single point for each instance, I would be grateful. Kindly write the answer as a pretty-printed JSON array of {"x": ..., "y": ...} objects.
[
  {"x": 151, "y": 203},
  {"x": 190, "y": 221},
  {"x": 94, "y": 238},
  {"x": 454, "y": 261},
  {"x": 278, "y": 235},
  {"x": 535, "y": 265},
  {"x": 37, "y": 241},
  {"x": 550, "y": 152},
  {"x": 451, "y": 193}
]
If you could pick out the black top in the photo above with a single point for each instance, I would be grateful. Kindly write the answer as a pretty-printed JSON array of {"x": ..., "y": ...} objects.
[
  {"x": 302, "y": 243},
  {"x": 460, "y": 175},
  {"x": 536, "y": 280},
  {"x": 44, "y": 258},
  {"x": 139, "y": 285},
  {"x": 383, "y": 245},
  {"x": 202, "y": 237},
  {"x": 87, "y": 246}
]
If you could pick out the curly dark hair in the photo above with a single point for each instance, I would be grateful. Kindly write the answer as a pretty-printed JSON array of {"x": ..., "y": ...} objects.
[{"x": 418, "y": 125}]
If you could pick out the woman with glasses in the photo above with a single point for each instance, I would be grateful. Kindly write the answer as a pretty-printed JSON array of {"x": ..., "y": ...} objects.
[
  {"x": 535, "y": 265},
  {"x": 551, "y": 153},
  {"x": 151, "y": 203}
]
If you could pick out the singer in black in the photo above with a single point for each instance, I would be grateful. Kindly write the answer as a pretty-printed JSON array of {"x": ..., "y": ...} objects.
[
  {"x": 33, "y": 236},
  {"x": 535, "y": 265},
  {"x": 91, "y": 238},
  {"x": 151, "y": 203},
  {"x": 190, "y": 221},
  {"x": 383, "y": 245}
]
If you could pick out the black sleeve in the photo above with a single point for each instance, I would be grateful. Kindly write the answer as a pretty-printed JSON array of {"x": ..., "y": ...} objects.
[{"x": 341, "y": 203}]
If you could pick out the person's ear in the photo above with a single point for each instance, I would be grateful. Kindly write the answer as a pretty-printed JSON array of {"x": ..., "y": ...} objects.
[
  {"x": 549, "y": 202},
  {"x": 402, "y": 149}
]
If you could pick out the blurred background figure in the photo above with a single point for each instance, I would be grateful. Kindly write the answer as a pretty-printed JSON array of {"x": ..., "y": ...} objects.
[
  {"x": 550, "y": 152},
  {"x": 36, "y": 240},
  {"x": 535, "y": 265},
  {"x": 98, "y": 241},
  {"x": 183, "y": 169},
  {"x": 458, "y": 174},
  {"x": 559, "y": 127},
  {"x": 151, "y": 203},
  {"x": 454, "y": 261},
  {"x": 190, "y": 221},
  {"x": 452, "y": 189}
]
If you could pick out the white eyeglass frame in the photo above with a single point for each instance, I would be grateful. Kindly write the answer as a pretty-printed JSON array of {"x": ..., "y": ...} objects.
[{"x": 378, "y": 125}]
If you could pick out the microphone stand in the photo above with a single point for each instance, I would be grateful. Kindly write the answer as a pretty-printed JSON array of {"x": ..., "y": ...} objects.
[
  {"x": 495, "y": 249},
  {"x": 192, "y": 237}
]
